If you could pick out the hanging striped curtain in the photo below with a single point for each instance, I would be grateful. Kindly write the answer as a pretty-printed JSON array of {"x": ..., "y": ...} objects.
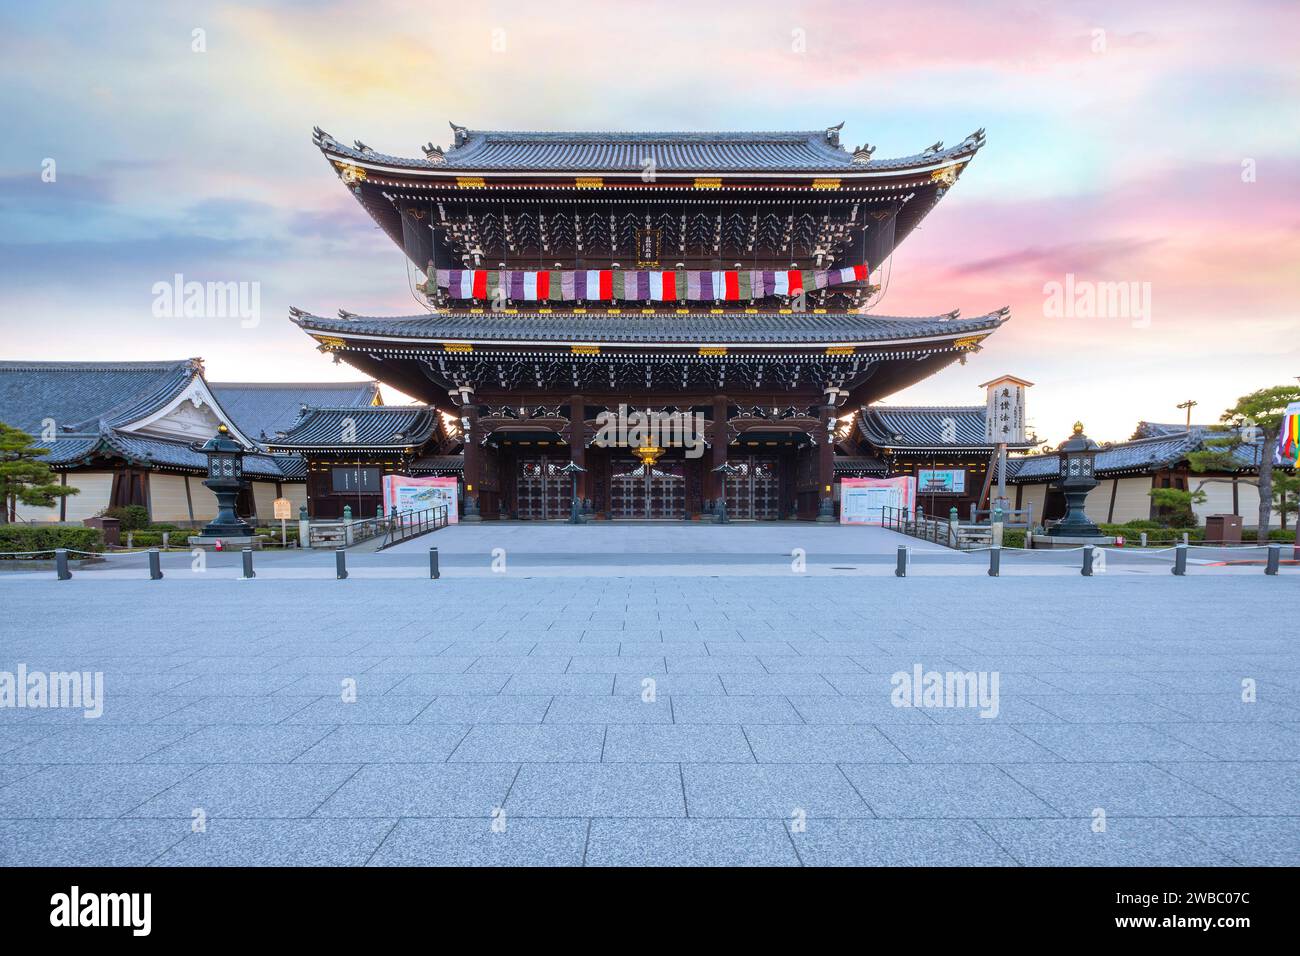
[{"x": 609, "y": 285}]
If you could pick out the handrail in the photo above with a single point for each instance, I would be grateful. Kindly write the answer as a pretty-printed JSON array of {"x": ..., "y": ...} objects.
[{"x": 411, "y": 524}]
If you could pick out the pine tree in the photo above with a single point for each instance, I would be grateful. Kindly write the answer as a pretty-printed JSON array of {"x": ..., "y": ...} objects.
[
  {"x": 24, "y": 477},
  {"x": 1254, "y": 420}
]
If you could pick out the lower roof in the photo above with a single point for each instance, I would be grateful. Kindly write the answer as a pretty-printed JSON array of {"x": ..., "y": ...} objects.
[{"x": 638, "y": 329}]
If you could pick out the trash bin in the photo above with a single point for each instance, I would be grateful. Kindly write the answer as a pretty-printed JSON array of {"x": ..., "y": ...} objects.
[
  {"x": 111, "y": 528},
  {"x": 1223, "y": 529}
]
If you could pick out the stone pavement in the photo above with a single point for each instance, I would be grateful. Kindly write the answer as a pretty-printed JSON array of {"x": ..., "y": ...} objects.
[{"x": 653, "y": 719}]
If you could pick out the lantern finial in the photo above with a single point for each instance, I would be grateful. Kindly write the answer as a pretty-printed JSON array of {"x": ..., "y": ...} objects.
[{"x": 1078, "y": 428}]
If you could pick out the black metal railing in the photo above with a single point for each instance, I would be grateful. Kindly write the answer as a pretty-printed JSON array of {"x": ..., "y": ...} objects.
[
  {"x": 411, "y": 524},
  {"x": 917, "y": 525}
]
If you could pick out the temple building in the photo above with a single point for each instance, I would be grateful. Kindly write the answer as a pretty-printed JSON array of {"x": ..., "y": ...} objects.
[
  {"x": 687, "y": 317},
  {"x": 121, "y": 434}
]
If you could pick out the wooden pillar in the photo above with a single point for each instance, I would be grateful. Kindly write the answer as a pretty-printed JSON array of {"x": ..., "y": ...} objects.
[
  {"x": 715, "y": 486},
  {"x": 826, "y": 465},
  {"x": 578, "y": 441},
  {"x": 473, "y": 461}
]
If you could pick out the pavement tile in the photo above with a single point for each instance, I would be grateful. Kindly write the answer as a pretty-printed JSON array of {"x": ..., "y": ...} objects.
[
  {"x": 369, "y": 744},
  {"x": 238, "y": 744},
  {"x": 1124, "y": 842},
  {"x": 897, "y": 843},
  {"x": 97, "y": 790},
  {"x": 1250, "y": 841},
  {"x": 87, "y": 842},
  {"x": 607, "y": 790},
  {"x": 520, "y": 842},
  {"x": 689, "y": 843},
  {"x": 536, "y": 743},
  {"x": 821, "y": 744},
  {"x": 248, "y": 790},
  {"x": 227, "y": 842},
  {"x": 780, "y": 791},
  {"x": 1120, "y": 789},
  {"x": 675, "y": 743},
  {"x": 928, "y": 791},
  {"x": 421, "y": 790},
  {"x": 1257, "y": 789},
  {"x": 986, "y": 742},
  {"x": 610, "y": 710}
]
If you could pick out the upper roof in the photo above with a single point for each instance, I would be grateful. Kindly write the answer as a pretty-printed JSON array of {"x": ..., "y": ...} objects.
[
  {"x": 263, "y": 408},
  {"x": 77, "y": 395},
  {"x": 816, "y": 151},
  {"x": 927, "y": 426},
  {"x": 638, "y": 329},
  {"x": 354, "y": 427}
]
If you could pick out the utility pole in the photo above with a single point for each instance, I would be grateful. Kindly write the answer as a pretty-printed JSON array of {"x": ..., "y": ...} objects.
[{"x": 1188, "y": 405}]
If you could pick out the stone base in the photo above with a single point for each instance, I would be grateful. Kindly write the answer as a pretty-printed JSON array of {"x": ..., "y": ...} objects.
[
  {"x": 1047, "y": 541},
  {"x": 234, "y": 542}
]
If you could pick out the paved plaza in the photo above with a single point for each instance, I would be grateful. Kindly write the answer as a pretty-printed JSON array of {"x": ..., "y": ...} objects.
[{"x": 676, "y": 708}]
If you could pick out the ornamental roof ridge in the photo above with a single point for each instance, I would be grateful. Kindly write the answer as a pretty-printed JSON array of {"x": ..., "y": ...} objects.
[{"x": 491, "y": 150}]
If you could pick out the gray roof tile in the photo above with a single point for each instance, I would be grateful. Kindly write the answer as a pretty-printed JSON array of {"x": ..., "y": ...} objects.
[
  {"x": 784, "y": 151},
  {"x": 356, "y": 427},
  {"x": 76, "y": 395},
  {"x": 260, "y": 409},
  {"x": 660, "y": 328}
]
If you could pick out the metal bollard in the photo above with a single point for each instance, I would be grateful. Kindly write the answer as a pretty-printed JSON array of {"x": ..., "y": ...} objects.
[
  {"x": 434, "y": 573},
  {"x": 155, "y": 565},
  {"x": 1144, "y": 539},
  {"x": 248, "y": 564},
  {"x": 61, "y": 564},
  {"x": 900, "y": 571},
  {"x": 1274, "y": 559},
  {"x": 1087, "y": 561},
  {"x": 340, "y": 563},
  {"x": 995, "y": 562},
  {"x": 1180, "y": 560}
]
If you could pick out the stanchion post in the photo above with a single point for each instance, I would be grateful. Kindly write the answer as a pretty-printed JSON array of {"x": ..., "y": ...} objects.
[
  {"x": 1274, "y": 559},
  {"x": 248, "y": 564},
  {"x": 995, "y": 562},
  {"x": 1087, "y": 561},
  {"x": 900, "y": 571},
  {"x": 434, "y": 573},
  {"x": 1144, "y": 539},
  {"x": 61, "y": 564},
  {"x": 340, "y": 563},
  {"x": 155, "y": 565},
  {"x": 1180, "y": 560}
]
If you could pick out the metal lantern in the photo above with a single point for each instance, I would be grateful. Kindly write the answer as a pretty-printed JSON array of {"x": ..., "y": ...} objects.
[
  {"x": 1077, "y": 455},
  {"x": 226, "y": 479}
]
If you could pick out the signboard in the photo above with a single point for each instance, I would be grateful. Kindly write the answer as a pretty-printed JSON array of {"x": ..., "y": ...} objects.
[
  {"x": 945, "y": 481},
  {"x": 419, "y": 494},
  {"x": 862, "y": 499},
  {"x": 283, "y": 508}
]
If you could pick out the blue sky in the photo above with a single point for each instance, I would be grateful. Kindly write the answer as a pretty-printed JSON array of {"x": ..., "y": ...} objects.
[{"x": 1115, "y": 163}]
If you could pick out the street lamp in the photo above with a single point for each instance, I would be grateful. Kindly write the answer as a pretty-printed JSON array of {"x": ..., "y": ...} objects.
[
  {"x": 573, "y": 469},
  {"x": 1077, "y": 456},
  {"x": 226, "y": 479},
  {"x": 727, "y": 470}
]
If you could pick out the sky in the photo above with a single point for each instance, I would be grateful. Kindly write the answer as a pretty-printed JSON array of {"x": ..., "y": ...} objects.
[{"x": 1146, "y": 147}]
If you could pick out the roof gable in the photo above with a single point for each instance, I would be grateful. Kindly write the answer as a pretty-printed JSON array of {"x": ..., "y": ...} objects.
[{"x": 75, "y": 396}]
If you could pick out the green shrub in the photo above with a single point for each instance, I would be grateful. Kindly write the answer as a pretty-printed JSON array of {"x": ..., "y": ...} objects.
[
  {"x": 1013, "y": 538},
  {"x": 29, "y": 537},
  {"x": 130, "y": 517}
]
